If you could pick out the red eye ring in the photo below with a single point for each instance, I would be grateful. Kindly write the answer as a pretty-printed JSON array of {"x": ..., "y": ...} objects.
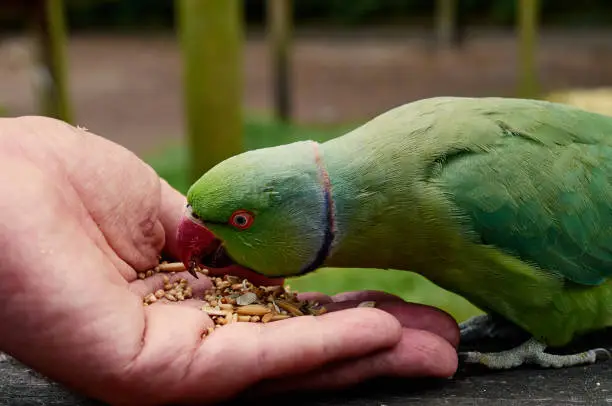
[{"x": 241, "y": 219}]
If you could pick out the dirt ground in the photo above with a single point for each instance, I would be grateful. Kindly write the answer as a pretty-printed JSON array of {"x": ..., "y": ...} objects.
[{"x": 128, "y": 88}]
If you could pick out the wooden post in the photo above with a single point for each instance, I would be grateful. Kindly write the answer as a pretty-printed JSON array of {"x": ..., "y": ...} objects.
[
  {"x": 279, "y": 25},
  {"x": 527, "y": 48},
  {"x": 210, "y": 34},
  {"x": 49, "y": 28},
  {"x": 447, "y": 29}
]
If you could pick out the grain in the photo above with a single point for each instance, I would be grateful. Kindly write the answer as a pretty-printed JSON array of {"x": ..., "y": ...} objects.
[
  {"x": 267, "y": 317},
  {"x": 246, "y": 299},
  {"x": 171, "y": 267},
  {"x": 253, "y": 310},
  {"x": 289, "y": 307},
  {"x": 232, "y": 299},
  {"x": 211, "y": 311}
]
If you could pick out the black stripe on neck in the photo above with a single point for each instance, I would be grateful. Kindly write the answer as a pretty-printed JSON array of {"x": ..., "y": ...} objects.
[{"x": 328, "y": 237}]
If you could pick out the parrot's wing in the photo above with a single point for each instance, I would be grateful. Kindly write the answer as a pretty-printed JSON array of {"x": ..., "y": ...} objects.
[{"x": 541, "y": 189}]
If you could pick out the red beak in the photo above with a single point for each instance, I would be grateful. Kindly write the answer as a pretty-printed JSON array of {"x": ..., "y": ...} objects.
[
  {"x": 193, "y": 240},
  {"x": 196, "y": 241}
]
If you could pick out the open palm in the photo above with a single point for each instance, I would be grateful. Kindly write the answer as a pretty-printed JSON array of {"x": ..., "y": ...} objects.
[{"x": 81, "y": 217}]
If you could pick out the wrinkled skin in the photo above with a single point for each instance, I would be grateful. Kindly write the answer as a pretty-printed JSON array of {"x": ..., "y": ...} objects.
[{"x": 80, "y": 216}]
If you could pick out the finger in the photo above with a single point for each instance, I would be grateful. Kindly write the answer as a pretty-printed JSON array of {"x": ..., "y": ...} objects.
[
  {"x": 315, "y": 296},
  {"x": 422, "y": 317},
  {"x": 192, "y": 303},
  {"x": 173, "y": 333},
  {"x": 243, "y": 354},
  {"x": 172, "y": 207},
  {"x": 358, "y": 295},
  {"x": 413, "y": 316},
  {"x": 418, "y": 354},
  {"x": 366, "y": 295},
  {"x": 355, "y": 296},
  {"x": 143, "y": 287}
]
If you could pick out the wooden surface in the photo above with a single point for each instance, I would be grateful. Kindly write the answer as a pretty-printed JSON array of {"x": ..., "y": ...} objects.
[{"x": 591, "y": 385}]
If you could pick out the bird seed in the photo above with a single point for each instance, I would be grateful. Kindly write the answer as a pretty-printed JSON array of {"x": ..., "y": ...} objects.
[{"x": 232, "y": 299}]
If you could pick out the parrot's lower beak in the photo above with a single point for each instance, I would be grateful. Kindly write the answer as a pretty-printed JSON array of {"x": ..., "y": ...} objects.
[{"x": 198, "y": 246}]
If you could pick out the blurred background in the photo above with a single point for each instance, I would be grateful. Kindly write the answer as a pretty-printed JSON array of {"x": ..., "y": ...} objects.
[{"x": 187, "y": 83}]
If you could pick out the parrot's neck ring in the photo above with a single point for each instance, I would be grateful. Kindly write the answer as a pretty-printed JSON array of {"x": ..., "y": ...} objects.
[{"x": 329, "y": 220}]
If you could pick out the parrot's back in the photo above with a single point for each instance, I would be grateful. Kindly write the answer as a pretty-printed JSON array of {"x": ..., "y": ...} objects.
[{"x": 507, "y": 202}]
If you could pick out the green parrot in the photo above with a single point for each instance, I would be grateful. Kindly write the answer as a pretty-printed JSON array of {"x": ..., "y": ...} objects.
[{"x": 506, "y": 202}]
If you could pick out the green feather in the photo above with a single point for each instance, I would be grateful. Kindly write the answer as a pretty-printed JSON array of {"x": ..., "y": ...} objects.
[
  {"x": 506, "y": 202},
  {"x": 547, "y": 203}
]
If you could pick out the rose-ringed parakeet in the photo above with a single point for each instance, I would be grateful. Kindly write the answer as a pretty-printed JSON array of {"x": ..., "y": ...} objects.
[{"x": 506, "y": 202}]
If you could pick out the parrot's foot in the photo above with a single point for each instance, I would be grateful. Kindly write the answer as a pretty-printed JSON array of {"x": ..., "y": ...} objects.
[
  {"x": 475, "y": 328},
  {"x": 532, "y": 352},
  {"x": 488, "y": 326}
]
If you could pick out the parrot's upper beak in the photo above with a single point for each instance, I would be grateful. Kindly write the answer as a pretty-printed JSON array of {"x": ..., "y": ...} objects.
[
  {"x": 194, "y": 241},
  {"x": 198, "y": 246}
]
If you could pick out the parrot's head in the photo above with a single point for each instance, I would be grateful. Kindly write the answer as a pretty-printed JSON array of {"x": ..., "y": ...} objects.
[{"x": 266, "y": 210}]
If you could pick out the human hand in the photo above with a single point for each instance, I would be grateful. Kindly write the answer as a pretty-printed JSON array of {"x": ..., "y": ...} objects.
[{"x": 81, "y": 216}]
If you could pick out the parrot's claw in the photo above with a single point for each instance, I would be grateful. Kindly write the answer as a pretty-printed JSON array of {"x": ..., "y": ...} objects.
[
  {"x": 474, "y": 328},
  {"x": 488, "y": 326},
  {"x": 601, "y": 354},
  {"x": 532, "y": 352}
]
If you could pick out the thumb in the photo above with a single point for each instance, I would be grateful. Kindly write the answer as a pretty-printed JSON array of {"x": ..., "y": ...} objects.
[{"x": 171, "y": 210}]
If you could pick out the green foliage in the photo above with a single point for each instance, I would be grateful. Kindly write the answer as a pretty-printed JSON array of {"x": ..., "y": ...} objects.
[
  {"x": 528, "y": 86},
  {"x": 171, "y": 163},
  {"x": 359, "y": 11},
  {"x": 121, "y": 14},
  {"x": 210, "y": 34},
  {"x": 155, "y": 14},
  {"x": 51, "y": 30},
  {"x": 407, "y": 285}
]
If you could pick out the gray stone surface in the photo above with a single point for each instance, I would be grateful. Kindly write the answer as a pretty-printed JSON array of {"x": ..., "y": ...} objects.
[
  {"x": 20, "y": 385},
  {"x": 589, "y": 385}
]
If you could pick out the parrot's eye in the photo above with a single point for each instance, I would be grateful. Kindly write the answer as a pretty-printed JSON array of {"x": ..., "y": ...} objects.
[{"x": 241, "y": 219}]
